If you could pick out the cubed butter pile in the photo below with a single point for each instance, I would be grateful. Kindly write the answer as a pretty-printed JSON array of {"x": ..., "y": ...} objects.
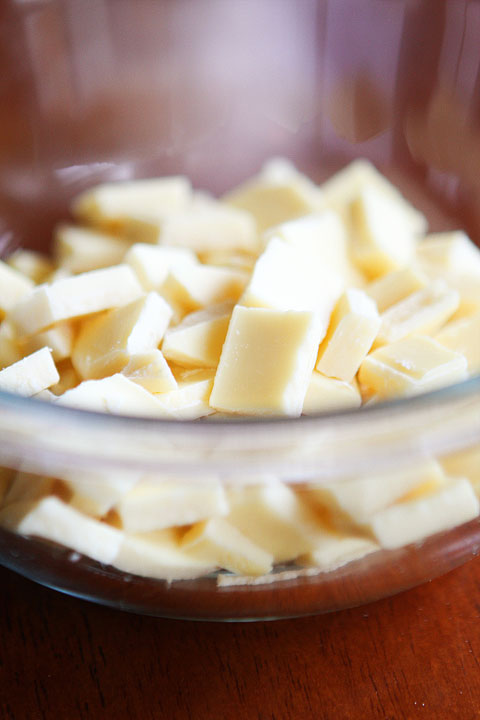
[{"x": 280, "y": 299}]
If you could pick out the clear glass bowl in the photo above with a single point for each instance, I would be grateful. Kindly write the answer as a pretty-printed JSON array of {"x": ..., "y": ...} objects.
[{"x": 212, "y": 89}]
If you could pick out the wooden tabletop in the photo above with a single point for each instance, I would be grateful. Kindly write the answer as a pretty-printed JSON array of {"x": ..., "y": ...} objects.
[{"x": 412, "y": 656}]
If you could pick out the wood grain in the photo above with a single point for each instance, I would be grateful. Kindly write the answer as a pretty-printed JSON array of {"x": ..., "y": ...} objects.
[{"x": 412, "y": 656}]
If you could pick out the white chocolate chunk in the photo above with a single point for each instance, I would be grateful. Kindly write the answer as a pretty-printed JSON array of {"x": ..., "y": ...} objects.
[
  {"x": 106, "y": 342},
  {"x": 80, "y": 249},
  {"x": 52, "y": 519},
  {"x": 335, "y": 550},
  {"x": 59, "y": 339},
  {"x": 153, "y": 263},
  {"x": 159, "y": 555},
  {"x": 288, "y": 276},
  {"x": 353, "y": 328},
  {"x": 463, "y": 336},
  {"x": 151, "y": 371},
  {"x": 198, "y": 340},
  {"x": 465, "y": 463},
  {"x": 97, "y": 493},
  {"x": 341, "y": 189},
  {"x": 162, "y": 504},
  {"x": 73, "y": 297},
  {"x": 266, "y": 362},
  {"x": 208, "y": 226},
  {"x": 116, "y": 395},
  {"x": 118, "y": 201},
  {"x": 361, "y": 497},
  {"x": 450, "y": 252},
  {"x": 325, "y": 394},
  {"x": 9, "y": 347},
  {"x": 190, "y": 400},
  {"x": 384, "y": 240},
  {"x": 412, "y": 521},
  {"x": 423, "y": 312},
  {"x": 410, "y": 366},
  {"x": 31, "y": 375},
  {"x": 219, "y": 543},
  {"x": 197, "y": 286},
  {"x": 395, "y": 286},
  {"x": 273, "y": 198},
  {"x": 32, "y": 264},
  {"x": 228, "y": 259},
  {"x": 273, "y": 517},
  {"x": 13, "y": 287}
]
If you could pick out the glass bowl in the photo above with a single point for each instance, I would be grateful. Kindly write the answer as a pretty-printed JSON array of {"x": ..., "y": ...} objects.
[{"x": 211, "y": 90}]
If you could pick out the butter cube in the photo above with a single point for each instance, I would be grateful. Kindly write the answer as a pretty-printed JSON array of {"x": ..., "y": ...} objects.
[
  {"x": 189, "y": 401},
  {"x": 13, "y": 287},
  {"x": 73, "y": 297},
  {"x": 153, "y": 263},
  {"x": 116, "y": 395},
  {"x": 353, "y": 328},
  {"x": 105, "y": 343},
  {"x": 463, "y": 336},
  {"x": 162, "y": 504},
  {"x": 423, "y": 312},
  {"x": 395, "y": 286},
  {"x": 345, "y": 186},
  {"x": 80, "y": 249},
  {"x": 159, "y": 555},
  {"x": 59, "y": 339},
  {"x": 415, "y": 520},
  {"x": 325, "y": 394},
  {"x": 194, "y": 287},
  {"x": 31, "y": 375},
  {"x": 410, "y": 366},
  {"x": 384, "y": 239},
  {"x": 451, "y": 252},
  {"x": 273, "y": 198},
  {"x": 31, "y": 264},
  {"x": 266, "y": 362},
  {"x": 198, "y": 340},
  {"x": 273, "y": 517},
  {"x": 219, "y": 543},
  {"x": 114, "y": 203},
  {"x": 151, "y": 371},
  {"x": 52, "y": 519}
]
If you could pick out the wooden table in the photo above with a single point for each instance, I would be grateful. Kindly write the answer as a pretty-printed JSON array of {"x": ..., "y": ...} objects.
[{"x": 413, "y": 656}]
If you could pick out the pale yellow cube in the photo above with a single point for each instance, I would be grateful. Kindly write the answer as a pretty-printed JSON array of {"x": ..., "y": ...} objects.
[
  {"x": 353, "y": 328},
  {"x": 198, "y": 340},
  {"x": 33, "y": 265},
  {"x": 383, "y": 237},
  {"x": 422, "y": 312},
  {"x": 10, "y": 351},
  {"x": 450, "y": 252},
  {"x": 465, "y": 463},
  {"x": 410, "y": 366},
  {"x": 162, "y": 504},
  {"x": 396, "y": 286},
  {"x": 14, "y": 286},
  {"x": 151, "y": 371},
  {"x": 97, "y": 493},
  {"x": 219, "y": 543},
  {"x": 80, "y": 249},
  {"x": 266, "y": 362},
  {"x": 190, "y": 400},
  {"x": 73, "y": 297},
  {"x": 463, "y": 336},
  {"x": 325, "y": 394},
  {"x": 153, "y": 263},
  {"x": 31, "y": 375},
  {"x": 197, "y": 286},
  {"x": 59, "y": 339},
  {"x": 105, "y": 343},
  {"x": 334, "y": 550}
]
